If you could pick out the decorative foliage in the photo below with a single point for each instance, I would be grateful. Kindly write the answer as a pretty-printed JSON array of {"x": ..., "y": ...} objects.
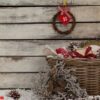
[{"x": 63, "y": 84}]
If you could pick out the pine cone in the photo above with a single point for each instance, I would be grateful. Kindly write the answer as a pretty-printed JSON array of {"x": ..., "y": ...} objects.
[{"x": 14, "y": 94}]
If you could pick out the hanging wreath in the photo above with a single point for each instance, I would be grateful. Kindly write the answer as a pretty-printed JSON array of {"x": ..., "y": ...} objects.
[{"x": 65, "y": 18}]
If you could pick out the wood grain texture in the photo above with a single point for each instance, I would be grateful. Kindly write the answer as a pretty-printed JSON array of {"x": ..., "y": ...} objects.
[
  {"x": 20, "y": 72},
  {"x": 23, "y": 64},
  {"x": 45, "y": 14},
  {"x": 19, "y": 80},
  {"x": 28, "y": 47},
  {"x": 47, "y": 2},
  {"x": 21, "y": 48},
  {"x": 31, "y": 47},
  {"x": 44, "y": 31}
]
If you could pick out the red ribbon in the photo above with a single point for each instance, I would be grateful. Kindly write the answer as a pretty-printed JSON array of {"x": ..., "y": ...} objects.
[
  {"x": 86, "y": 55},
  {"x": 75, "y": 54},
  {"x": 64, "y": 17}
]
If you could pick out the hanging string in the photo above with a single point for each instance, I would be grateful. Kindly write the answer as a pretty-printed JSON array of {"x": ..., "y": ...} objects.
[{"x": 64, "y": 2}]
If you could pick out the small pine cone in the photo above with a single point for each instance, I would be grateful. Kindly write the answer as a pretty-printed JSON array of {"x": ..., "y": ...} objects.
[{"x": 14, "y": 94}]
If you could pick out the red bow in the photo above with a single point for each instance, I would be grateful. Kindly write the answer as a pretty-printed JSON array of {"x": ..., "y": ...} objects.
[
  {"x": 64, "y": 17},
  {"x": 86, "y": 55},
  {"x": 75, "y": 54}
]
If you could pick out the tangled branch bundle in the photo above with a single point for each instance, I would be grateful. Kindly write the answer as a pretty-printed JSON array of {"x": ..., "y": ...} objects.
[{"x": 62, "y": 83}]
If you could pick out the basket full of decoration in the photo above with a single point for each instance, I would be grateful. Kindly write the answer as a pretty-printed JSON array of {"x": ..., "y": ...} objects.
[{"x": 84, "y": 61}]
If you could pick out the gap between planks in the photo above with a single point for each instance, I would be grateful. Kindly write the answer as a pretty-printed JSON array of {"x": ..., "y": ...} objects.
[{"x": 21, "y": 6}]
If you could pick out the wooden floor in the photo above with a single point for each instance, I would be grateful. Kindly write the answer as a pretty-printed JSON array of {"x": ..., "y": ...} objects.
[{"x": 25, "y": 29}]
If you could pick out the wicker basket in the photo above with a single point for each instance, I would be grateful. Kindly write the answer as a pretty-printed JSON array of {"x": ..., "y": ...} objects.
[{"x": 87, "y": 71}]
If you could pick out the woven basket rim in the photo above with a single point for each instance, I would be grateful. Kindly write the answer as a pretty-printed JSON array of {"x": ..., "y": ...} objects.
[{"x": 86, "y": 60}]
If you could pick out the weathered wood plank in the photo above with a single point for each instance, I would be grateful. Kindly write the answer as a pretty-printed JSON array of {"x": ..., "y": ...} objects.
[
  {"x": 47, "y": 2},
  {"x": 22, "y": 64},
  {"x": 25, "y": 64},
  {"x": 19, "y": 80},
  {"x": 45, "y": 14},
  {"x": 29, "y": 47},
  {"x": 45, "y": 31}
]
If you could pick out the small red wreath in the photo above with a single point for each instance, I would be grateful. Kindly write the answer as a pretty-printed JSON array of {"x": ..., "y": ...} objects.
[{"x": 67, "y": 31}]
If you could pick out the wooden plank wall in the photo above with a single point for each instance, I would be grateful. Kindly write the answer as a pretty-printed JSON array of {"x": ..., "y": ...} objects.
[{"x": 25, "y": 29}]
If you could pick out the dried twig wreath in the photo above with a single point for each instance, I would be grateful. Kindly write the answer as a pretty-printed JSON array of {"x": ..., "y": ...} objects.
[{"x": 64, "y": 17}]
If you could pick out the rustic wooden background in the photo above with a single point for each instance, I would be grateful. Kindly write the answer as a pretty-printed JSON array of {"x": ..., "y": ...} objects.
[{"x": 25, "y": 29}]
